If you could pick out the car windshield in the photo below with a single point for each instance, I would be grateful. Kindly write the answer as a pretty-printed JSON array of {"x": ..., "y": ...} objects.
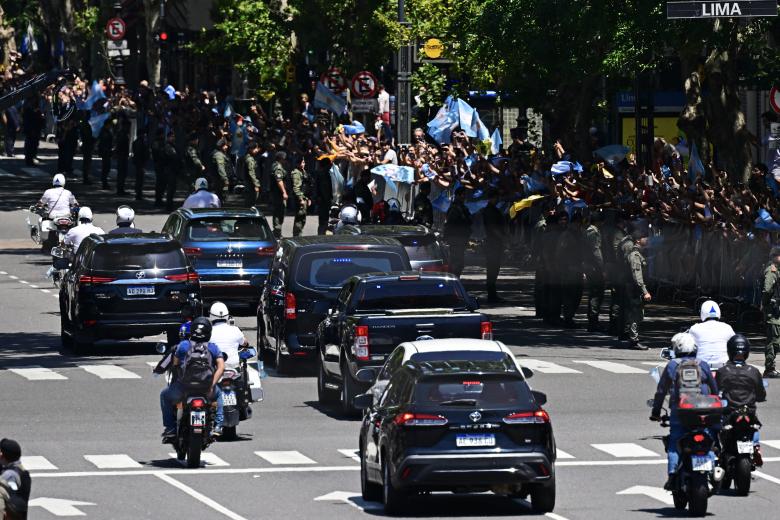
[
  {"x": 228, "y": 228},
  {"x": 475, "y": 390},
  {"x": 330, "y": 269},
  {"x": 421, "y": 248},
  {"x": 419, "y": 293},
  {"x": 127, "y": 257}
]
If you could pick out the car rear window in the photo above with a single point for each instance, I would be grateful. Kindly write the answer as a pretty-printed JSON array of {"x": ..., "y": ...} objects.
[
  {"x": 127, "y": 257},
  {"x": 475, "y": 390},
  {"x": 421, "y": 248},
  {"x": 330, "y": 269},
  {"x": 228, "y": 228},
  {"x": 411, "y": 294}
]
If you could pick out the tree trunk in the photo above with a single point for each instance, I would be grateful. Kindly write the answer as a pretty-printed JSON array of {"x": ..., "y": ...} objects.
[
  {"x": 152, "y": 17},
  {"x": 571, "y": 116}
]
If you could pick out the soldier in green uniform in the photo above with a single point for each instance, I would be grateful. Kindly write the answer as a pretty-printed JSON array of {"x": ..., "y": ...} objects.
[
  {"x": 594, "y": 269},
  {"x": 770, "y": 304},
  {"x": 251, "y": 168},
  {"x": 636, "y": 293},
  {"x": 223, "y": 169},
  {"x": 301, "y": 184},
  {"x": 278, "y": 192},
  {"x": 193, "y": 167},
  {"x": 616, "y": 273}
]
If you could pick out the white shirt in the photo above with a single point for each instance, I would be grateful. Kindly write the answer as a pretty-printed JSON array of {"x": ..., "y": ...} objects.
[
  {"x": 58, "y": 201},
  {"x": 711, "y": 337},
  {"x": 391, "y": 156},
  {"x": 202, "y": 199},
  {"x": 79, "y": 233},
  {"x": 228, "y": 338},
  {"x": 384, "y": 102}
]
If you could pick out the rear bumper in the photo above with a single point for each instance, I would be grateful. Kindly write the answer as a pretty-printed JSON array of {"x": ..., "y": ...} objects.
[
  {"x": 229, "y": 287},
  {"x": 293, "y": 346},
  {"x": 124, "y": 329}
]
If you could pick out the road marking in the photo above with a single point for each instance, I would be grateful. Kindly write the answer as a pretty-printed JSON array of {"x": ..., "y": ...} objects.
[
  {"x": 24, "y": 282},
  {"x": 37, "y": 373},
  {"x": 546, "y": 367},
  {"x": 555, "y": 517},
  {"x": 352, "y": 454},
  {"x": 625, "y": 450},
  {"x": 59, "y": 506},
  {"x": 201, "y": 471},
  {"x": 110, "y": 372},
  {"x": 119, "y": 461},
  {"x": 563, "y": 455},
  {"x": 284, "y": 457},
  {"x": 46, "y": 291},
  {"x": 657, "y": 493},
  {"x": 615, "y": 368},
  {"x": 200, "y": 496},
  {"x": 770, "y": 478},
  {"x": 208, "y": 459},
  {"x": 12, "y": 277},
  {"x": 152, "y": 363},
  {"x": 37, "y": 463},
  {"x": 3, "y": 272},
  {"x": 33, "y": 286},
  {"x": 254, "y": 377},
  {"x": 771, "y": 444},
  {"x": 353, "y": 499}
]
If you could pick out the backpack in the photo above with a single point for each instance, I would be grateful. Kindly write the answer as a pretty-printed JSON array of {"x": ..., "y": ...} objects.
[
  {"x": 197, "y": 371},
  {"x": 688, "y": 378}
]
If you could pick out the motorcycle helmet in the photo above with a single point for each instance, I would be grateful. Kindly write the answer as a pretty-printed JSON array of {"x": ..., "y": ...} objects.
[
  {"x": 58, "y": 181},
  {"x": 218, "y": 311},
  {"x": 85, "y": 214},
  {"x": 710, "y": 311},
  {"x": 125, "y": 215},
  {"x": 349, "y": 215},
  {"x": 683, "y": 345},
  {"x": 738, "y": 348},
  {"x": 184, "y": 331},
  {"x": 201, "y": 184},
  {"x": 200, "y": 330}
]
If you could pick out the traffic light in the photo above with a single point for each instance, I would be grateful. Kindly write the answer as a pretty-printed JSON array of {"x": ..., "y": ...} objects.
[{"x": 163, "y": 36}]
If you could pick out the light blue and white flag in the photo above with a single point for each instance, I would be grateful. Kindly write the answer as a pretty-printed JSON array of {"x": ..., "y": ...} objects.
[
  {"x": 355, "y": 128},
  {"x": 96, "y": 123},
  {"x": 496, "y": 142},
  {"x": 329, "y": 100},
  {"x": 446, "y": 120},
  {"x": 442, "y": 202},
  {"x": 695, "y": 166}
]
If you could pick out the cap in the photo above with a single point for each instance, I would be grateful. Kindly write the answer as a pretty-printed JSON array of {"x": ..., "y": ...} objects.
[{"x": 11, "y": 450}]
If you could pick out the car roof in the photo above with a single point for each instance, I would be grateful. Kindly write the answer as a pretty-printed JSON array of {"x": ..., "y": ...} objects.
[
  {"x": 395, "y": 275},
  {"x": 190, "y": 213},
  {"x": 445, "y": 345},
  {"x": 387, "y": 230},
  {"x": 444, "y": 367},
  {"x": 328, "y": 241},
  {"x": 135, "y": 239}
]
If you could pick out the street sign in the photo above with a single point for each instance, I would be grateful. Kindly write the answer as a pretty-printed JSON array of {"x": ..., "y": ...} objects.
[
  {"x": 333, "y": 78},
  {"x": 116, "y": 29},
  {"x": 774, "y": 99},
  {"x": 433, "y": 48},
  {"x": 364, "y": 84},
  {"x": 774, "y": 136},
  {"x": 733, "y": 9},
  {"x": 117, "y": 48},
  {"x": 364, "y": 105}
]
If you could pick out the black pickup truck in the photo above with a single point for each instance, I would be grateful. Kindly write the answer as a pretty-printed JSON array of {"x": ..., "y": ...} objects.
[{"x": 376, "y": 312}]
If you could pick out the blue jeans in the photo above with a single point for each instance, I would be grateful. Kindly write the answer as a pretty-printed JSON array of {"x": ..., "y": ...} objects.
[
  {"x": 173, "y": 394},
  {"x": 676, "y": 432}
]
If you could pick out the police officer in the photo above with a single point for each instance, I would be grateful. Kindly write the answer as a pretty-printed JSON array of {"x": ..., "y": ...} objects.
[
  {"x": 494, "y": 222},
  {"x": 423, "y": 208},
  {"x": 278, "y": 192},
  {"x": 158, "y": 158},
  {"x": 171, "y": 167},
  {"x": 223, "y": 169},
  {"x": 87, "y": 146},
  {"x": 83, "y": 230},
  {"x": 636, "y": 293},
  {"x": 770, "y": 304},
  {"x": 301, "y": 183},
  {"x": 140, "y": 156},
  {"x": 122, "y": 152},
  {"x": 457, "y": 230},
  {"x": 324, "y": 193},
  {"x": 593, "y": 263},
  {"x": 252, "y": 171},
  {"x": 193, "y": 167},
  {"x": 15, "y": 482},
  {"x": 363, "y": 195},
  {"x": 125, "y": 216},
  {"x": 616, "y": 274},
  {"x": 569, "y": 259},
  {"x": 105, "y": 146}
]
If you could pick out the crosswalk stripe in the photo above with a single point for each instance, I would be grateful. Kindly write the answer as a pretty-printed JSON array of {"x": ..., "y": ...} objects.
[
  {"x": 110, "y": 372},
  {"x": 546, "y": 367},
  {"x": 152, "y": 363},
  {"x": 209, "y": 459},
  {"x": 611, "y": 366},
  {"x": 284, "y": 457},
  {"x": 625, "y": 450},
  {"x": 37, "y": 463},
  {"x": 771, "y": 444},
  {"x": 351, "y": 453},
  {"x": 38, "y": 374},
  {"x": 563, "y": 455},
  {"x": 118, "y": 461}
]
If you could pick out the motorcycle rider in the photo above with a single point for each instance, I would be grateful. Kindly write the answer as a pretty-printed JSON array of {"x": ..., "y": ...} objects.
[
  {"x": 58, "y": 200},
  {"x": 200, "y": 332},
  {"x": 83, "y": 230},
  {"x": 741, "y": 384},
  {"x": 227, "y": 337},
  {"x": 15, "y": 481},
  {"x": 348, "y": 216},
  {"x": 711, "y": 335},
  {"x": 125, "y": 216},
  {"x": 202, "y": 198},
  {"x": 683, "y": 346}
]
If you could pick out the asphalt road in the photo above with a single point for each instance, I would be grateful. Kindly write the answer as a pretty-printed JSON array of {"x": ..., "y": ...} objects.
[{"x": 90, "y": 424}]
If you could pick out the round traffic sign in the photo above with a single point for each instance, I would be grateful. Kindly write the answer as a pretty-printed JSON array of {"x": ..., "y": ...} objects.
[
  {"x": 774, "y": 99},
  {"x": 116, "y": 29},
  {"x": 364, "y": 84},
  {"x": 333, "y": 79}
]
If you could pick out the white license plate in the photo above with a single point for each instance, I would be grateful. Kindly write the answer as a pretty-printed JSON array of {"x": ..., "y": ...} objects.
[
  {"x": 197, "y": 418},
  {"x": 744, "y": 447},
  {"x": 145, "y": 290},
  {"x": 701, "y": 463},
  {"x": 228, "y": 399},
  {"x": 475, "y": 441},
  {"x": 238, "y": 264}
]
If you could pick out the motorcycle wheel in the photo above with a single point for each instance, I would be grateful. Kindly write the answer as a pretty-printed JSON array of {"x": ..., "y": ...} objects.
[
  {"x": 193, "y": 451},
  {"x": 698, "y": 494},
  {"x": 742, "y": 470},
  {"x": 680, "y": 499}
]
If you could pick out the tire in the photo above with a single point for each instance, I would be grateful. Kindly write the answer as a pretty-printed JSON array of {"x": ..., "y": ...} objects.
[
  {"x": 229, "y": 433},
  {"x": 543, "y": 497},
  {"x": 282, "y": 363},
  {"x": 348, "y": 392},
  {"x": 392, "y": 498},
  {"x": 193, "y": 451},
  {"x": 66, "y": 339},
  {"x": 742, "y": 469},
  {"x": 325, "y": 395},
  {"x": 80, "y": 345},
  {"x": 698, "y": 494},
  {"x": 368, "y": 490},
  {"x": 680, "y": 499}
]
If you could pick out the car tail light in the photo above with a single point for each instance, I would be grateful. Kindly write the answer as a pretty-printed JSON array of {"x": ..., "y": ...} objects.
[
  {"x": 409, "y": 277},
  {"x": 419, "y": 419},
  {"x": 183, "y": 277},
  {"x": 289, "y": 306},
  {"x": 89, "y": 280},
  {"x": 486, "y": 329},
  {"x": 440, "y": 268},
  {"x": 266, "y": 251},
  {"x": 89, "y": 323},
  {"x": 350, "y": 248},
  {"x": 537, "y": 417},
  {"x": 361, "y": 347},
  {"x": 193, "y": 251},
  {"x": 197, "y": 403}
]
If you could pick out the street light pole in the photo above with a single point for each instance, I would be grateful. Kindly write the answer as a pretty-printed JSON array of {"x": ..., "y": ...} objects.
[{"x": 403, "y": 89}]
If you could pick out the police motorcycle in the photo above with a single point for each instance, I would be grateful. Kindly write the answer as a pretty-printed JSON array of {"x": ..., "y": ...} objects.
[
  {"x": 237, "y": 392},
  {"x": 737, "y": 455},
  {"x": 49, "y": 230},
  {"x": 61, "y": 257}
]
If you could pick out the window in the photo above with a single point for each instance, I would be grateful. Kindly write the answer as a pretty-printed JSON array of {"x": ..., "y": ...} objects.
[
  {"x": 393, "y": 363},
  {"x": 173, "y": 226},
  {"x": 330, "y": 269},
  {"x": 483, "y": 390},
  {"x": 411, "y": 294},
  {"x": 216, "y": 229},
  {"x": 132, "y": 257},
  {"x": 398, "y": 391},
  {"x": 421, "y": 248}
]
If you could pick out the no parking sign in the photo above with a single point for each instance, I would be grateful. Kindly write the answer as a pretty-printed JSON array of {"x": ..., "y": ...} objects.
[
  {"x": 364, "y": 84},
  {"x": 333, "y": 78}
]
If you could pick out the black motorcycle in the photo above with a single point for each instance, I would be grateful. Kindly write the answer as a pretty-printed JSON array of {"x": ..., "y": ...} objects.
[
  {"x": 237, "y": 395},
  {"x": 737, "y": 457}
]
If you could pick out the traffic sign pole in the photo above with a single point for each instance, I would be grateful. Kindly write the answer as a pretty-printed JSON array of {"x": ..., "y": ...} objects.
[{"x": 116, "y": 30}]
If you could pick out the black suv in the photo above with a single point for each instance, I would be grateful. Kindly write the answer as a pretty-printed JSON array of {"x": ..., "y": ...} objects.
[
  {"x": 457, "y": 425},
  {"x": 306, "y": 276},
  {"x": 425, "y": 248},
  {"x": 126, "y": 286}
]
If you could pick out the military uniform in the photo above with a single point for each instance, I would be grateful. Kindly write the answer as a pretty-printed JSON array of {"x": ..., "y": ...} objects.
[
  {"x": 541, "y": 275},
  {"x": 223, "y": 172},
  {"x": 301, "y": 183},
  {"x": 252, "y": 179},
  {"x": 594, "y": 271},
  {"x": 423, "y": 210},
  {"x": 495, "y": 240},
  {"x": 568, "y": 257},
  {"x": 278, "y": 174},
  {"x": 635, "y": 291},
  {"x": 457, "y": 231},
  {"x": 620, "y": 278},
  {"x": 770, "y": 304},
  {"x": 193, "y": 167},
  {"x": 171, "y": 161}
]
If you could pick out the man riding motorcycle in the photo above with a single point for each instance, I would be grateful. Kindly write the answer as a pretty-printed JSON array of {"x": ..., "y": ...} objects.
[
  {"x": 58, "y": 200},
  {"x": 83, "y": 230},
  {"x": 125, "y": 218},
  {"x": 200, "y": 332},
  {"x": 741, "y": 384},
  {"x": 227, "y": 337},
  {"x": 711, "y": 335},
  {"x": 15, "y": 481},
  {"x": 683, "y": 346}
]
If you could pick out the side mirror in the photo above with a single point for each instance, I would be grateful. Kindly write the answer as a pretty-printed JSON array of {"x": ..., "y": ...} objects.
[
  {"x": 527, "y": 372},
  {"x": 366, "y": 375},
  {"x": 666, "y": 353},
  {"x": 160, "y": 348},
  {"x": 539, "y": 397},
  {"x": 363, "y": 401}
]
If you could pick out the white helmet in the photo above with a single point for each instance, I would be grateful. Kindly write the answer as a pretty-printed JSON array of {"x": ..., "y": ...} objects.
[
  {"x": 710, "y": 311},
  {"x": 201, "y": 183},
  {"x": 394, "y": 205},
  {"x": 85, "y": 214},
  {"x": 349, "y": 215},
  {"x": 58, "y": 181},
  {"x": 124, "y": 215},
  {"x": 218, "y": 311},
  {"x": 683, "y": 345}
]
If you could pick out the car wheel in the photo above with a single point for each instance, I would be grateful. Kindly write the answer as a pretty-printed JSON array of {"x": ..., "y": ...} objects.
[
  {"x": 281, "y": 362},
  {"x": 81, "y": 345},
  {"x": 65, "y": 337},
  {"x": 348, "y": 391},
  {"x": 543, "y": 497},
  {"x": 325, "y": 395},
  {"x": 392, "y": 498},
  {"x": 368, "y": 490}
]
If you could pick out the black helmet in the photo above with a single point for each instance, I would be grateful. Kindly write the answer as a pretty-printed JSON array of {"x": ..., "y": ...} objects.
[
  {"x": 738, "y": 347},
  {"x": 200, "y": 329}
]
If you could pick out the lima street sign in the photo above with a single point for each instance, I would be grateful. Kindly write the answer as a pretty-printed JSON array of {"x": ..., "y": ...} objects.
[{"x": 733, "y": 9}]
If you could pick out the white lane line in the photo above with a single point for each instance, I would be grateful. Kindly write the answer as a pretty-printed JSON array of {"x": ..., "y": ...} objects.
[
  {"x": 200, "y": 496},
  {"x": 12, "y": 277},
  {"x": 563, "y": 455},
  {"x": 46, "y": 291},
  {"x": 655, "y": 493},
  {"x": 555, "y": 517},
  {"x": 152, "y": 363},
  {"x": 3, "y": 272},
  {"x": 207, "y": 459},
  {"x": 546, "y": 367},
  {"x": 284, "y": 457},
  {"x": 33, "y": 286},
  {"x": 25, "y": 282},
  {"x": 764, "y": 476},
  {"x": 771, "y": 444},
  {"x": 38, "y": 374},
  {"x": 625, "y": 450},
  {"x": 615, "y": 368},
  {"x": 110, "y": 372},
  {"x": 351, "y": 453},
  {"x": 203, "y": 471},
  {"x": 119, "y": 461},
  {"x": 37, "y": 463}
]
